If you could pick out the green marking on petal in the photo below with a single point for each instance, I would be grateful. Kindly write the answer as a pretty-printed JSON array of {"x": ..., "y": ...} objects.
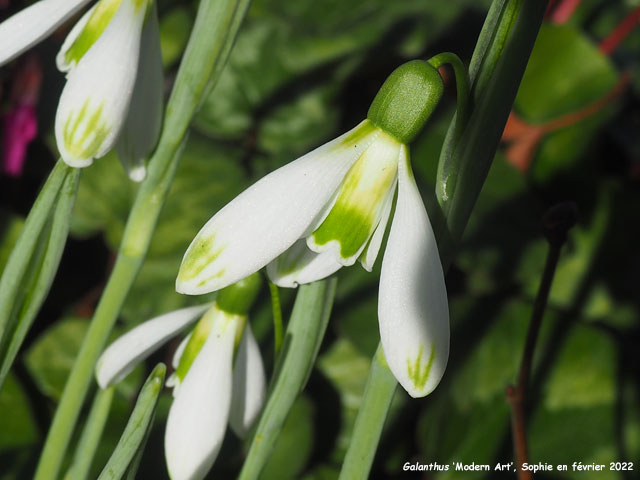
[
  {"x": 357, "y": 210},
  {"x": 202, "y": 253},
  {"x": 85, "y": 131},
  {"x": 98, "y": 21},
  {"x": 417, "y": 373},
  {"x": 366, "y": 128},
  {"x": 214, "y": 322}
]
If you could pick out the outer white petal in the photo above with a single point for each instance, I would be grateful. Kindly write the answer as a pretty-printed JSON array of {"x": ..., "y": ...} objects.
[
  {"x": 31, "y": 25},
  {"x": 198, "y": 417},
  {"x": 299, "y": 265},
  {"x": 412, "y": 304},
  {"x": 268, "y": 217},
  {"x": 130, "y": 349},
  {"x": 368, "y": 257},
  {"x": 61, "y": 62},
  {"x": 142, "y": 127},
  {"x": 95, "y": 101},
  {"x": 249, "y": 384}
]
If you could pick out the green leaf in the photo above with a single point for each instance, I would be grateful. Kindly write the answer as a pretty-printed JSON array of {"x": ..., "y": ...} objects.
[
  {"x": 137, "y": 430},
  {"x": 175, "y": 26},
  {"x": 562, "y": 80},
  {"x": 11, "y": 229},
  {"x": 18, "y": 428},
  {"x": 51, "y": 356},
  {"x": 584, "y": 373}
]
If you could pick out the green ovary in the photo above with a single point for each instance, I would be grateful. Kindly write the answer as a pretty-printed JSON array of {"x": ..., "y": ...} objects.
[
  {"x": 94, "y": 131},
  {"x": 363, "y": 193},
  {"x": 98, "y": 21}
]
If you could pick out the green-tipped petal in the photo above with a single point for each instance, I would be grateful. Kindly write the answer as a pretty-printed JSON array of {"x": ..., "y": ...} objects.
[
  {"x": 268, "y": 217},
  {"x": 360, "y": 202},
  {"x": 31, "y": 25},
  {"x": 412, "y": 303},
  {"x": 95, "y": 101}
]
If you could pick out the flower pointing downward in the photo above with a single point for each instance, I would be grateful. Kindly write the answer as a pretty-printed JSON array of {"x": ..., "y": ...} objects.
[
  {"x": 330, "y": 208},
  {"x": 212, "y": 386},
  {"x": 113, "y": 94}
]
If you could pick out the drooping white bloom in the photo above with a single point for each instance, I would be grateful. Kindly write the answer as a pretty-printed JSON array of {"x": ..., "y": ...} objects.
[
  {"x": 114, "y": 76},
  {"x": 330, "y": 208},
  {"x": 211, "y": 387}
]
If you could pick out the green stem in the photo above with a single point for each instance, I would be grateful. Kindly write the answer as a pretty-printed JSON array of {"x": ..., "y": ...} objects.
[
  {"x": 472, "y": 157},
  {"x": 378, "y": 393},
  {"x": 277, "y": 317},
  {"x": 215, "y": 29},
  {"x": 90, "y": 438},
  {"x": 305, "y": 331}
]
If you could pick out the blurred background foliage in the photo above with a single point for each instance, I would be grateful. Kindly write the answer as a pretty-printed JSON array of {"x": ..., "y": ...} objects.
[{"x": 301, "y": 73}]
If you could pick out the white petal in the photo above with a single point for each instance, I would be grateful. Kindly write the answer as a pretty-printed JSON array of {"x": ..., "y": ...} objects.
[
  {"x": 268, "y": 217},
  {"x": 370, "y": 253},
  {"x": 299, "y": 265},
  {"x": 61, "y": 62},
  {"x": 173, "y": 381},
  {"x": 130, "y": 349},
  {"x": 412, "y": 304},
  {"x": 31, "y": 25},
  {"x": 198, "y": 417},
  {"x": 249, "y": 384},
  {"x": 142, "y": 127},
  {"x": 95, "y": 101}
]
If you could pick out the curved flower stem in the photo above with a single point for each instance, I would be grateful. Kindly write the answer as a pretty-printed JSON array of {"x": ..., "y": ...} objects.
[
  {"x": 471, "y": 157},
  {"x": 302, "y": 341},
  {"x": 462, "y": 88},
  {"x": 216, "y": 26}
]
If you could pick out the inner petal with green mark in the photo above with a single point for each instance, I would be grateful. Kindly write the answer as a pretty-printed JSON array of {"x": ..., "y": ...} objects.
[
  {"x": 360, "y": 202},
  {"x": 214, "y": 322},
  {"x": 84, "y": 132},
  {"x": 418, "y": 369},
  {"x": 96, "y": 24}
]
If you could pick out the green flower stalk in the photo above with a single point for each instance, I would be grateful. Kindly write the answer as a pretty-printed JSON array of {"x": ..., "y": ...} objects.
[{"x": 329, "y": 209}]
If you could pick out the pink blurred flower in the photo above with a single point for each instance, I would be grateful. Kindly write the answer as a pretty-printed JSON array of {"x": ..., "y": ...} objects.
[{"x": 20, "y": 124}]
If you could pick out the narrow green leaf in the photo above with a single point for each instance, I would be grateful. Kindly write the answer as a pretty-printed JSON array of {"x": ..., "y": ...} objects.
[
  {"x": 302, "y": 341},
  {"x": 43, "y": 268},
  {"x": 91, "y": 434},
  {"x": 137, "y": 430},
  {"x": 18, "y": 262}
]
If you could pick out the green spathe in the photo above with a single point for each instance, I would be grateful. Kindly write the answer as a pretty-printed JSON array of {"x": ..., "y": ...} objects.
[{"x": 406, "y": 100}]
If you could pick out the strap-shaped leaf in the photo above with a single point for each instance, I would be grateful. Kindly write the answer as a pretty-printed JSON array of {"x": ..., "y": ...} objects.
[
  {"x": 125, "y": 458},
  {"x": 302, "y": 341},
  {"x": 32, "y": 266}
]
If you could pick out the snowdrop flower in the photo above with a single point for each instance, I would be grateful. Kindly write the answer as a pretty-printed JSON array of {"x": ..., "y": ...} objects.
[
  {"x": 212, "y": 386},
  {"x": 113, "y": 94},
  {"x": 330, "y": 208}
]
